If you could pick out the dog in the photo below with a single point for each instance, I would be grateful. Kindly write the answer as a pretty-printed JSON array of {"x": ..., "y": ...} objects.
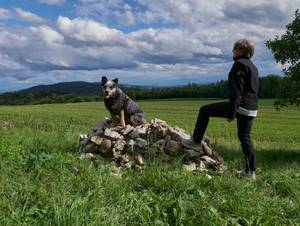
[{"x": 120, "y": 106}]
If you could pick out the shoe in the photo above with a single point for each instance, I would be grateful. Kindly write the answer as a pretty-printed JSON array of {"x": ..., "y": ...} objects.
[
  {"x": 248, "y": 175},
  {"x": 188, "y": 143}
]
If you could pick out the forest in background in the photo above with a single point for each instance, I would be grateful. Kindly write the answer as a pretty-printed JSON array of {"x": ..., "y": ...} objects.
[{"x": 73, "y": 92}]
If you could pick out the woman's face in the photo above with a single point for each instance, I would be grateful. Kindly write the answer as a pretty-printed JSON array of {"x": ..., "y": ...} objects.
[{"x": 236, "y": 52}]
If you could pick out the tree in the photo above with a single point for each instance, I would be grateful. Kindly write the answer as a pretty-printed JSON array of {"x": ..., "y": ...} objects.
[{"x": 286, "y": 50}]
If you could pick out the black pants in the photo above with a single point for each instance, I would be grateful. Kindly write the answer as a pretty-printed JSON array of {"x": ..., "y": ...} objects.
[{"x": 244, "y": 125}]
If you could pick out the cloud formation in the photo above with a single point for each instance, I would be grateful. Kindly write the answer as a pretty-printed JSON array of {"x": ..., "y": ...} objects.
[
  {"x": 20, "y": 14},
  {"x": 52, "y": 2},
  {"x": 188, "y": 39}
]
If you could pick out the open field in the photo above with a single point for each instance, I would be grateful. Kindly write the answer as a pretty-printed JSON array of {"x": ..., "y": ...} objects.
[{"x": 40, "y": 183}]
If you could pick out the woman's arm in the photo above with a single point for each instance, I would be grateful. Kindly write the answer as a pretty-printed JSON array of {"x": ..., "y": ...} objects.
[{"x": 236, "y": 86}]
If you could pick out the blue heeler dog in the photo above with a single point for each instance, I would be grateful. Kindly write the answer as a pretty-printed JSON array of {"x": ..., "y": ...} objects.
[{"x": 120, "y": 106}]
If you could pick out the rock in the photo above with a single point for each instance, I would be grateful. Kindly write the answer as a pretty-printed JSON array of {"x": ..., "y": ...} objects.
[
  {"x": 89, "y": 148},
  {"x": 217, "y": 157},
  {"x": 178, "y": 134},
  {"x": 128, "y": 128},
  {"x": 139, "y": 158},
  {"x": 116, "y": 153},
  {"x": 105, "y": 147},
  {"x": 141, "y": 130},
  {"x": 134, "y": 134},
  {"x": 138, "y": 168},
  {"x": 100, "y": 126},
  {"x": 116, "y": 171},
  {"x": 206, "y": 148},
  {"x": 191, "y": 153},
  {"x": 206, "y": 140},
  {"x": 83, "y": 139},
  {"x": 158, "y": 129},
  {"x": 90, "y": 156},
  {"x": 112, "y": 134},
  {"x": 208, "y": 161},
  {"x": 201, "y": 166},
  {"x": 173, "y": 147},
  {"x": 190, "y": 167},
  {"x": 158, "y": 121},
  {"x": 96, "y": 140},
  {"x": 119, "y": 144},
  {"x": 128, "y": 165},
  {"x": 160, "y": 144},
  {"x": 126, "y": 158},
  {"x": 208, "y": 176},
  {"x": 141, "y": 142}
]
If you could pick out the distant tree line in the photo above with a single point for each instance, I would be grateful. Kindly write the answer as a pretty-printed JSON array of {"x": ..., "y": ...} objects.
[{"x": 268, "y": 89}]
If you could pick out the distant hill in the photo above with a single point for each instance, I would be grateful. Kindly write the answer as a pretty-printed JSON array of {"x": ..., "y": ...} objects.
[
  {"x": 76, "y": 87},
  {"x": 66, "y": 87}
]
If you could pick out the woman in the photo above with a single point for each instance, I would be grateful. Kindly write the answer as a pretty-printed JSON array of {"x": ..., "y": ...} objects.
[{"x": 242, "y": 104}]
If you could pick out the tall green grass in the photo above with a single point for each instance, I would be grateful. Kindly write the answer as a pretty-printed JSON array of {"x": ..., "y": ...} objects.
[{"x": 43, "y": 182}]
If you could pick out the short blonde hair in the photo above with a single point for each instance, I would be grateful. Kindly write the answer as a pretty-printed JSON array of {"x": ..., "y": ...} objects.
[{"x": 246, "y": 45}]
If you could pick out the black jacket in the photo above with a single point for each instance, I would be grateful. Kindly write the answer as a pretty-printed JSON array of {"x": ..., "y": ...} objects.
[{"x": 243, "y": 86}]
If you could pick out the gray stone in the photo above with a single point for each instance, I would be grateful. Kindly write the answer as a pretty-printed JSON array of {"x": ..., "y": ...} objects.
[
  {"x": 206, "y": 148},
  {"x": 208, "y": 161},
  {"x": 192, "y": 153},
  {"x": 96, "y": 140},
  {"x": 112, "y": 134},
  {"x": 141, "y": 142},
  {"x": 178, "y": 134},
  {"x": 190, "y": 166}
]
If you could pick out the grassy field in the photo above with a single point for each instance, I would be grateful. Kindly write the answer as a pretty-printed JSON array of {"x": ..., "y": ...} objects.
[{"x": 40, "y": 183}]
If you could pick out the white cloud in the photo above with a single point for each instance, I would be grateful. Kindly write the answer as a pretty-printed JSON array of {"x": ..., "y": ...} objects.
[
  {"x": 7, "y": 63},
  {"x": 20, "y": 14},
  {"x": 52, "y": 2},
  {"x": 90, "y": 31},
  {"x": 28, "y": 16},
  {"x": 9, "y": 68},
  {"x": 126, "y": 18},
  {"x": 171, "y": 46},
  {"x": 49, "y": 35},
  {"x": 4, "y": 13},
  {"x": 12, "y": 40},
  {"x": 274, "y": 13}
]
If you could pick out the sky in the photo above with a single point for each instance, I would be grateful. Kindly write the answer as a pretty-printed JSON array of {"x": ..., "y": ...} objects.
[{"x": 141, "y": 42}]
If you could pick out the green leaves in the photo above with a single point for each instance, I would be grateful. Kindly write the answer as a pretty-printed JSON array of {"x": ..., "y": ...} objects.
[{"x": 286, "y": 50}]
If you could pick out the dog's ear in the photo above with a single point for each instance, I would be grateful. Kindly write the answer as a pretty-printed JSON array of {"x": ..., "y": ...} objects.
[
  {"x": 103, "y": 80},
  {"x": 115, "y": 80}
]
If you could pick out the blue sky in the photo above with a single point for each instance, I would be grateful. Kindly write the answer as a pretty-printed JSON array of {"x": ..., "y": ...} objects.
[{"x": 142, "y": 42}]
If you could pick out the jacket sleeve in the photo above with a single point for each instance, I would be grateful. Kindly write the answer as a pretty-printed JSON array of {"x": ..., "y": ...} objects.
[{"x": 236, "y": 86}]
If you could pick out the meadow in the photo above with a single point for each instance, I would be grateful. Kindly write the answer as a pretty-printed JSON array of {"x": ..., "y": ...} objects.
[{"x": 43, "y": 182}]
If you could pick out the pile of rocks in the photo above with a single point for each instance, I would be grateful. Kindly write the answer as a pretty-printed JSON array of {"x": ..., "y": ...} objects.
[{"x": 128, "y": 147}]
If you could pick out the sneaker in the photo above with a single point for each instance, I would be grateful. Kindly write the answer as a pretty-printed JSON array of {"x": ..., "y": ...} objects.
[
  {"x": 188, "y": 143},
  {"x": 248, "y": 175}
]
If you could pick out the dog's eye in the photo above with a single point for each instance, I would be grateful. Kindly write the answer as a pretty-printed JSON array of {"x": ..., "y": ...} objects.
[{"x": 105, "y": 87}]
